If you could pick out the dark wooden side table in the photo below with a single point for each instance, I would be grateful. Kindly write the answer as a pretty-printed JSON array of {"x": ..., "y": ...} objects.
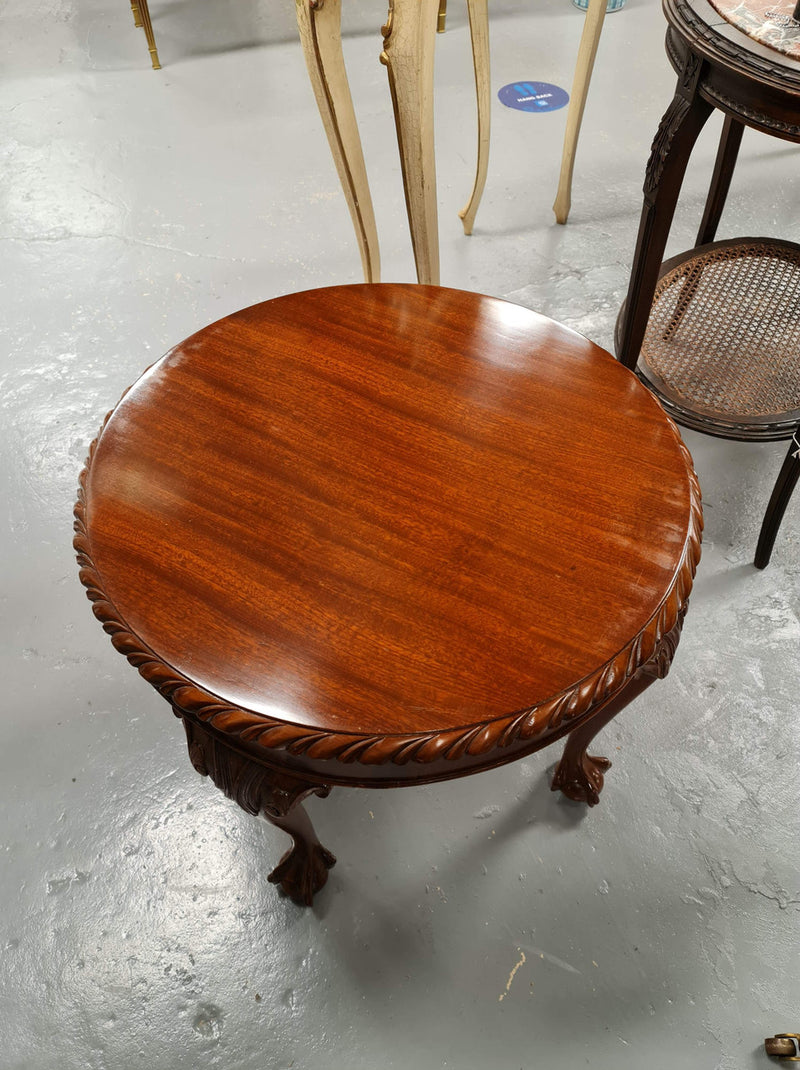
[
  {"x": 715, "y": 330},
  {"x": 720, "y": 67},
  {"x": 377, "y": 536}
]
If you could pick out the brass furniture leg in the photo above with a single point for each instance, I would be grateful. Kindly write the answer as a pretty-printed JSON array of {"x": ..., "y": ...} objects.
[
  {"x": 781, "y": 493},
  {"x": 319, "y": 22},
  {"x": 408, "y": 46}
]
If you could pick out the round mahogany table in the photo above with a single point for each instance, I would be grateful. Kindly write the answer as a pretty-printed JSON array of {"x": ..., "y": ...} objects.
[{"x": 378, "y": 536}]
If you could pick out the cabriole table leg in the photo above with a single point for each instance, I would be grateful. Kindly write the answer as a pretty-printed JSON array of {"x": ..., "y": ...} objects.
[
  {"x": 579, "y": 775},
  {"x": 260, "y": 789}
]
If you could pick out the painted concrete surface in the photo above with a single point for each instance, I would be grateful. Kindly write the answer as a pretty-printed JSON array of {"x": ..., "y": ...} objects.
[{"x": 481, "y": 923}]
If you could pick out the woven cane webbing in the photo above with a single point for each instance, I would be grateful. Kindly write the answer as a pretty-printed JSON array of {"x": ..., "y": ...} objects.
[{"x": 724, "y": 332}]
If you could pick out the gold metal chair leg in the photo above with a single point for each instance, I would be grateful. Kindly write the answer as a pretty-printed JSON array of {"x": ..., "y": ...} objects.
[
  {"x": 147, "y": 25},
  {"x": 137, "y": 18},
  {"x": 441, "y": 18}
]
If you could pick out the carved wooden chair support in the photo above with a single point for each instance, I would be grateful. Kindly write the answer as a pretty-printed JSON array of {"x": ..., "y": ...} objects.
[
  {"x": 781, "y": 493},
  {"x": 408, "y": 49}
]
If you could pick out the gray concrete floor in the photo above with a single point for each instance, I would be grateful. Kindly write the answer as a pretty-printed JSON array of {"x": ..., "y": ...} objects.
[{"x": 481, "y": 923}]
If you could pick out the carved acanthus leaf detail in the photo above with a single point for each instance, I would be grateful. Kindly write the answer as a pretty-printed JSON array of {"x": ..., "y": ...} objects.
[
  {"x": 662, "y": 142},
  {"x": 256, "y": 788},
  {"x": 659, "y": 664},
  {"x": 690, "y": 73}
]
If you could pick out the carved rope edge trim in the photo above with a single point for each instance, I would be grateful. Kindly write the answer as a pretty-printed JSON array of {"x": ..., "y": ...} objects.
[
  {"x": 738, "y": 57},
  {"x": 738, "y": 108},
  {"x": 651, "y": 648}
]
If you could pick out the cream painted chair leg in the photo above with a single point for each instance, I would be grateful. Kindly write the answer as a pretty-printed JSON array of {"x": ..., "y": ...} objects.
[
  {"x": 408, "y": 46},
  {"x": 479, "y": 31},
  {"x": 587, "y": 50},
  {"x": 319, "y": 22}
]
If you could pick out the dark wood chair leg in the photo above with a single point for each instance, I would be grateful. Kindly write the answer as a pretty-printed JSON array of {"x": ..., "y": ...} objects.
[
  {"x": 782, "y": 492},
  {"x": 261, "y": 789},
  {"x": 669, "y": 156},
  {"x": 727, "y": 154},
  {"x": 579, "y": 775}
]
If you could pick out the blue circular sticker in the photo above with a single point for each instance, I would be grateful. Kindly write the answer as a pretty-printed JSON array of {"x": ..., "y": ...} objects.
[{"x": 533, "y": 96}]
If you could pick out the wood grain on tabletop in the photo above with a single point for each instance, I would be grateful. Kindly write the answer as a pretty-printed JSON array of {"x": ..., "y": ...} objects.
[{"x": 387, "y": 508}]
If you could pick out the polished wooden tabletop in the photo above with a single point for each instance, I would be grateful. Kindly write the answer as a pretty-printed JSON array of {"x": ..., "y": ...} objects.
[{"x": 385, "y": 510}]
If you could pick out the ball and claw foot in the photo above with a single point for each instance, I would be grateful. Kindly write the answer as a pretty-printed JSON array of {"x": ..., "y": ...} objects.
[
  {"x": 581, "y": 779},
  {"x": 302, "y": 871}
]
